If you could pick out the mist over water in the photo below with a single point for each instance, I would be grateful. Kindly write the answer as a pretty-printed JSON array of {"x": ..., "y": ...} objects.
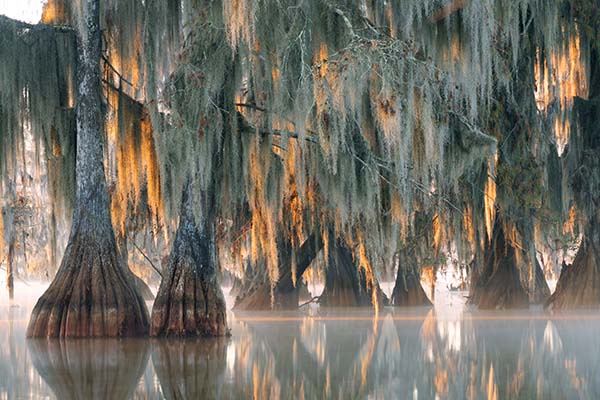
[{"x": 449, "y": 352}]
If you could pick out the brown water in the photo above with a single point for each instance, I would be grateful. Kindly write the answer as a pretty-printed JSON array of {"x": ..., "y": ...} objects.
[{"x": 341, "y": 354}]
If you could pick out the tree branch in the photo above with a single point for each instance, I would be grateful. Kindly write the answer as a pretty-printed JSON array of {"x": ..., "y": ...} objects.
[{"x": 147, "y": 258}]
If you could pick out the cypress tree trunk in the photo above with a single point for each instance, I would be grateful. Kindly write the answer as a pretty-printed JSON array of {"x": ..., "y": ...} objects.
[
  {"x": 499, "y": 285},
  {"x": 345, "y": 283},
  {"x": 408, "y": 291},
  {"x": 91, "y": 294},
  {"x": 190, "y": 301},
  {"x": 286, "y": 293},
  {"x": 579, "y": 283},
  {"x": 254, "y": 292},
  {"x": 541, "y": 293}
]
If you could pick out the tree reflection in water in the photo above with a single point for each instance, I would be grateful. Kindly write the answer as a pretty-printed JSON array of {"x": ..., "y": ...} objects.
[
  {"x": 323, "y": 354},
  {"x": 190, "y": 368},
  {"x": 90, "y": 368}
]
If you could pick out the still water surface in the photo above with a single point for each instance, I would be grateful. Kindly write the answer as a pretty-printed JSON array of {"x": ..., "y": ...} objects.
[{"x": 341, "y": 354}]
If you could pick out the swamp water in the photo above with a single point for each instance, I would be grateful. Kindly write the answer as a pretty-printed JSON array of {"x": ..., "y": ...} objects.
[{"x": 450, "y": 352}]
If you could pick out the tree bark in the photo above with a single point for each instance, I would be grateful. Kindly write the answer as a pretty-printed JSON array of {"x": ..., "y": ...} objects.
[
  {"x": 579, "y": 283},
  {"x": 542, "y": 290},
  {"x": 346, "y": 284},
  {"x": 408, "y": 291},
  {"x": 91, "y": 294},
  {"x": 286, "y": 293},
  {"x": 190, "y": 301},
  {"x": 499, "y": 285}
]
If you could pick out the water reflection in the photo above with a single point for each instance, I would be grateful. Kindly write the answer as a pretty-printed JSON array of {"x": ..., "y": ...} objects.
[
  {"x": 90, "y": 368},
  {"x": 414, "y": 354},
  {"x": 190, "y": 368}
]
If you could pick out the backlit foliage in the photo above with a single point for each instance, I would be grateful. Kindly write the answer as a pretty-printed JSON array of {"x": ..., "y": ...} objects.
[{"x": 344, "y": 117}]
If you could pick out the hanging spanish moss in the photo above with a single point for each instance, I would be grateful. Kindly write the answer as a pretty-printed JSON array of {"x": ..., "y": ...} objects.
[{"x": 365, "y": 139}]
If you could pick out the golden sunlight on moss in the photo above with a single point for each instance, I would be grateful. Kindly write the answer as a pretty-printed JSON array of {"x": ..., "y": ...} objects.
[
  {"x": 469, "y": 227},
  {"x": 428, "y": 279},
  {"x": 263, "y": 233},
  {"x": 320, "y": 60},
  {"x": 569, "y": 225},
  {"x": 365, "y": 265},
  {"x": 514, "y": 238},
  {"x": 132, "y": 163},
  {"x": 561, "y": 77},
  {"x": 389, "y": 13},
  {"x": 239, "y": 22},
  {"x": 150, "y": 170},
  {"x": 489, "y": 199},
  {"x": 293, "y": 199},
  {"x": 53, "y": 12},
  {"x": 385, "y": 105},
  {"x": 437, "y": 231}
]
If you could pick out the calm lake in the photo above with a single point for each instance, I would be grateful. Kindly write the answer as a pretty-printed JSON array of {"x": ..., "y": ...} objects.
[{"x": 447, "y": 353}]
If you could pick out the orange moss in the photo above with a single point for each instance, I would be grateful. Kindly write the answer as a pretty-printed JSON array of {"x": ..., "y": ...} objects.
[
  {"x": 561, "y": 77},
  {"x": 489, "y": 199},
  {"x": 132, "y": 162},
  {"x": 54, "y": 13},
  {"x": 569, "y": 225},
  {"x": 365, "y": 265},
  {"x": 469, "y": 227}
]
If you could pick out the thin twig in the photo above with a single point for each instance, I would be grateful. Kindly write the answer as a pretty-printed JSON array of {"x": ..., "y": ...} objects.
[
  {"x": 105, "y": 59},
  {"x": 313, "y": 300},
  {"x": 147, "y": 258}
]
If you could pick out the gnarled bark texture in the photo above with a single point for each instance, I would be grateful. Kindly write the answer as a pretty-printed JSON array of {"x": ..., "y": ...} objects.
[
  {"x": 190, "y": 368},
  {"x": 190, "y": 301},
  {"x": 91, "y": 294},
  {"x": 90, "y": 369},
  {"x": 346, "y": 285},
  {"x": 499, "y": 285},
  {"x": 408, "y": 291},
  {"x": 256, "y": 295},
  {"x": 579, "y": 283}
]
